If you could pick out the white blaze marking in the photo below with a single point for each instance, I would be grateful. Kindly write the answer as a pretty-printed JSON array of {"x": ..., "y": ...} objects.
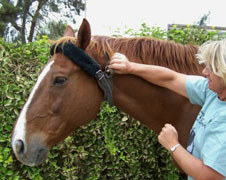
[{"x": 20, "y": 129}]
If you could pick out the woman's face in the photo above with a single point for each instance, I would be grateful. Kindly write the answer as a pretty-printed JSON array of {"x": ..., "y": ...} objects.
[{"x": 215, "y": 82}]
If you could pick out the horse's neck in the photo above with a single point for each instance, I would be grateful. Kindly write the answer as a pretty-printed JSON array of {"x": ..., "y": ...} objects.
[{"x": 153, "y": 106}]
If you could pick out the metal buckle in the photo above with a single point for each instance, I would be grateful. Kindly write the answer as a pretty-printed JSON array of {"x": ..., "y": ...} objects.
[{"x": 99, "y": 75}]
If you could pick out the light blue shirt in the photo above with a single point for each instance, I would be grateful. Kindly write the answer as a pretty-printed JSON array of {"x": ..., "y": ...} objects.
[{"x": 208, "y": 134}]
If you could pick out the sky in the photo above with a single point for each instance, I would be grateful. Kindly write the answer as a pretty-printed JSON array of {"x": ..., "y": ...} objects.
[{"x": 106, "y": 16}]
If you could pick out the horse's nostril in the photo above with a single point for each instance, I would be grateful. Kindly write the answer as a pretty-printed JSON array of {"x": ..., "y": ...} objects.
[{"x": 19, "y": 146}]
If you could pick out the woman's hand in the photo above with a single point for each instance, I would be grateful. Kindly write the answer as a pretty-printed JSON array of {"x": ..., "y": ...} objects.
[
  {"x": 168, "y": 137},
  {"x": 120, "y": 64}
]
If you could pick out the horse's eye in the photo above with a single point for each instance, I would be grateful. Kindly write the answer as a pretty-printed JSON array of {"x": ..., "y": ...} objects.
[{"x": 59, "y": 81}]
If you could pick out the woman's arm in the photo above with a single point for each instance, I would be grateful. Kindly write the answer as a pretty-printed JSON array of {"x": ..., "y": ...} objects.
[
  {"x": 158, "y": 75},
  {"x": 191, "y": 165}
]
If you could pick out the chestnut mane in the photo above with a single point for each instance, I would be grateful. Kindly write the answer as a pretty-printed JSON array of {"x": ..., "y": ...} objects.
[{"x": 173, "y": 55}]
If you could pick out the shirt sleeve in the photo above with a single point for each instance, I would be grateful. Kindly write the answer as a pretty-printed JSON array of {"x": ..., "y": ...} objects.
[
  {"x": 196, "y": 87},
  {"x": 214, "y": 146}
]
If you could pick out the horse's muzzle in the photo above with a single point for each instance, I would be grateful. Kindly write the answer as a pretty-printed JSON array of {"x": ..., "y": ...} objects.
[{"x": 32, "y": 154}]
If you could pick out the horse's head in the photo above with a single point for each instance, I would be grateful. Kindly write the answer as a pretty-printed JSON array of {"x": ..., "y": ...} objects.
[{"x": 63, "y": 98}]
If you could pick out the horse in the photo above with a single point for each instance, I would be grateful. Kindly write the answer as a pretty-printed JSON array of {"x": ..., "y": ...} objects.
[{"x": 68, "y": 93}]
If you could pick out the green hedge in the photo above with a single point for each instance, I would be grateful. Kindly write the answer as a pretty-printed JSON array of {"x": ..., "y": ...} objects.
[{"x": 112, "y": 146}]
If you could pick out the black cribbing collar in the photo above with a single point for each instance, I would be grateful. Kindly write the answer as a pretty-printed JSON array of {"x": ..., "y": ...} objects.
[{"x": 88, "y": 64}]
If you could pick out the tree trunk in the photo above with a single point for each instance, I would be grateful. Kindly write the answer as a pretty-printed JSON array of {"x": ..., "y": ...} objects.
[
  {"x": 23, "y": 28},
  {"x": 25, "y": 12},
  {"x": 35, "y": 18}
]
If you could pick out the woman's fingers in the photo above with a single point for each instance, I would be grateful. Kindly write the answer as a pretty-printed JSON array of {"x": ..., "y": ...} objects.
[{"x": 119, "y": 63}]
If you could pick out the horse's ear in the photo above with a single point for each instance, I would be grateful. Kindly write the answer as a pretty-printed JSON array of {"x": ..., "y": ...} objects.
[
  {"x": 69, "y": 31},
  {"x": 84, "y": 35}
]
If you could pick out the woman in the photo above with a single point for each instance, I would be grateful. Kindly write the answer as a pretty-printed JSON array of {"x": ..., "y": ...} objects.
[{"x": 205, "y": 157}]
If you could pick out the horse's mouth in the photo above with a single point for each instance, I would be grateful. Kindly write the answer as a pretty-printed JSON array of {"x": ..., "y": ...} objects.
[{"x": 35, "y": 160}]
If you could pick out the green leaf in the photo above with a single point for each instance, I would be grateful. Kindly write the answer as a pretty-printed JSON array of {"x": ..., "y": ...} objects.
[
  {"x": 9, "y": 173},
  {"x": 3, "y": 139},
  {"x": 7, "y": 102}
]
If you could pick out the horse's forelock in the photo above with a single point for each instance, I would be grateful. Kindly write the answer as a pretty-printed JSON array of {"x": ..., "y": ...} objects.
[{"x": 62, "y": 41}]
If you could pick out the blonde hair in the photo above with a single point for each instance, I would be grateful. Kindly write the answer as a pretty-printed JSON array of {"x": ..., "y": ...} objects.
[{"x": 213, "y": 54}]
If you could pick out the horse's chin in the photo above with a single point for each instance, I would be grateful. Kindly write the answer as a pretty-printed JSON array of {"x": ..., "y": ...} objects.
[{"x": 41, "y": 157}]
